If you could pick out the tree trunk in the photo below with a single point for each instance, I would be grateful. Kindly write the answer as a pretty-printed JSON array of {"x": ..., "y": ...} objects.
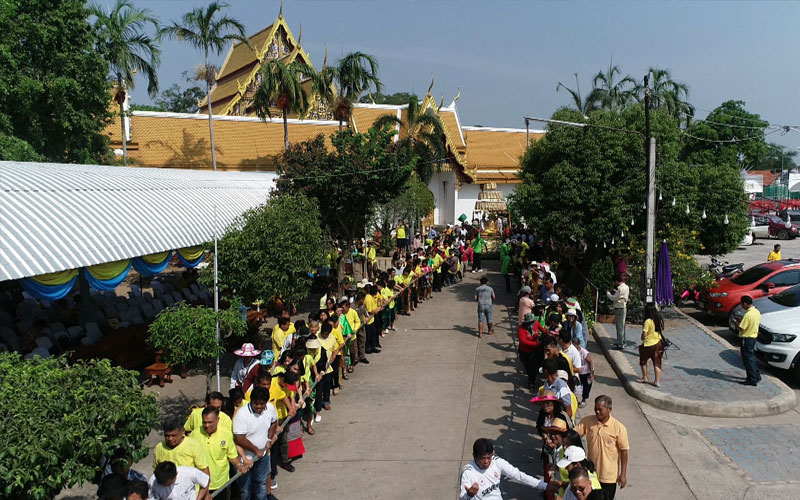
[
  {"x": 285, "y": 132},
  {"x": 210, "y": 118}
]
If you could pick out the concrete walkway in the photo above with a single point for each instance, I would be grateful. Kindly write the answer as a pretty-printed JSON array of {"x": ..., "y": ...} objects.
[{"x": 700, "y": 377}]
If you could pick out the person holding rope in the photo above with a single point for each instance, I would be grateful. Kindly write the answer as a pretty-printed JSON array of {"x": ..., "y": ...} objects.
[{"x": 254, "y": 430}]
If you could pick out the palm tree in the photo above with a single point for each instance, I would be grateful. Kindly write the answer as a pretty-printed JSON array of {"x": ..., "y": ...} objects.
[
  {"x": 609, "y": 93},
  {"x": 281, "y": 87},
  {"x": 424, "y": 139},
  {"x": 128, "y": 49},
  {"x": 669, "y": 95},
  {"x": 353, "y": 75},
  {"x": 584, "y": 106},
  {"x": 207, "y": 30}
]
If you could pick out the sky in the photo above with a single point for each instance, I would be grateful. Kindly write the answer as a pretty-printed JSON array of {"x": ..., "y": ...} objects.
[{"x": 508, "y": 56}]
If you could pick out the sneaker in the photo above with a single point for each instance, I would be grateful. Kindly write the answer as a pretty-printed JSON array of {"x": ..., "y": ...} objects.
[
  {"x": 392, "y": 329},
  {"x": 318, "y": 418},
  {"x": 271, "y": 497},
  {"x": 581, "y": 404},
  {"x": 274, "y": 484}
]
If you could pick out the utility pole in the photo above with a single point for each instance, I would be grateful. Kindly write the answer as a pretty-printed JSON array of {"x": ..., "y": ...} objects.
[{"x": 650, "y": 156}]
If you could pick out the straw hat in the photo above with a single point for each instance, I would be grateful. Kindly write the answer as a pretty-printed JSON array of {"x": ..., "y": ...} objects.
[
  {"x": 247, "y": 350},
  {"x": 559, "y": 425}
]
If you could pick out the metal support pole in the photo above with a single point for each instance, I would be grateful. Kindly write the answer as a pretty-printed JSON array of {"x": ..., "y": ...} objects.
[
  {"x": 527, "y": 132},
  {"x": 651, "y": 220}
]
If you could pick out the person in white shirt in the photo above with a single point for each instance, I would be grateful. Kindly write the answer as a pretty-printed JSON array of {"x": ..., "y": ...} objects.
[
  {"x": 480, "y": 479},
  {"x": 565, "y": 342},
  {"x": 580, "y": 485},
  {"x": 254, "y": 429},
  {"x": 620, "y": 299},
  {"x": 248, "y": 359},
  {"x": 178, "y": 483}
]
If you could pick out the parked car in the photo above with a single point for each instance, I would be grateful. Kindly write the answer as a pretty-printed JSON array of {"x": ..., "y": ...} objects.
[
  {"x": 758, "y": 281},
  {"x": 759, "y": 226},
  {"x": 778, "y": 228},
  {"x": 780, "y": 322}
]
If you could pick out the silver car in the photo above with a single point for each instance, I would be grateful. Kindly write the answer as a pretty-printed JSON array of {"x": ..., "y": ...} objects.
[{"x": 780, "y": 321}]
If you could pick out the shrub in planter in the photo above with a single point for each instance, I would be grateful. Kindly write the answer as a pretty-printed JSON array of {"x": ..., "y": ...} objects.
[{"x": 187, "y": 334}]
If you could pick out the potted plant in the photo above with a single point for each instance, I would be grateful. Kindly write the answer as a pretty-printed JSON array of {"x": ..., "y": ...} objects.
[{"x": 187, "y": 334}]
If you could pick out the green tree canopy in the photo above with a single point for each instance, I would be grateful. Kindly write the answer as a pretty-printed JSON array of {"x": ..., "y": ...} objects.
[
  {"x": 778, "y": 158},
  {"x": 599, "y": 171},
  {"x": 413, "y": 203},
  {"x": 398, "y": 98},
  {"x": 54, "y": 91},
  {"x": 270, "y": 250},
  {"x": 60, "y": 419},
  {"x": 362, "y": 171},
  {"x": 282, "y": 87}
]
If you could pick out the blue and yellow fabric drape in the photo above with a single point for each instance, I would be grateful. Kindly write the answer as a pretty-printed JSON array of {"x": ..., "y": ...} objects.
[
  {"x": 191, "y": 257},
  {"x": 109, "y": 275},
  {"x": 150, "y": 265},
  {"x": 52, "y": 286}
]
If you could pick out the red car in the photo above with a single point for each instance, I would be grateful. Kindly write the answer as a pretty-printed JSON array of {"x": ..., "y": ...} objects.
[{"x": 758, "y": 281}]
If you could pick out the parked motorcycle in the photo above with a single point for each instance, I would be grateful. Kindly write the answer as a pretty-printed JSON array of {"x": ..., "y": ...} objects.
[{"x": 722, "y": 269}]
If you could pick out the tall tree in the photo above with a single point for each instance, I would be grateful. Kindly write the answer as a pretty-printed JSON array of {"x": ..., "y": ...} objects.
[
  {"x": 360, "y": 171},
  {"x": 53, "y": 81},
  {"x": 583, "y": 105},
  {"x": 778, "y": 158},
  {"x": 282, "y": 87},
  {"x": 346, "y": 82},
  {"x": 128, "y": 49},
  {"x": 424, "y": 138},
  {"x": 209, "y": 31},
  {"x": 668, "y": 94},
  {"x": 610, "y": 92}
]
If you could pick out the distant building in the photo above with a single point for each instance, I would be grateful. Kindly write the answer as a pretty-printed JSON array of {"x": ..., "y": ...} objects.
[{"x": 475, "y": 155}]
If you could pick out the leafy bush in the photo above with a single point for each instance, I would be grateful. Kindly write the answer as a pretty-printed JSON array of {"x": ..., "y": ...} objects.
[
  {"x": 60, "y": 419},
  {"x": 187, "y": 334}
]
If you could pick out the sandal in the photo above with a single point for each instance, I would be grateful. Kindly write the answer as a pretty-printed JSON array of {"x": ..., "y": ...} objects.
[
  {"x": 349, "y": 369},
  {"x": 345, "y": 377}
]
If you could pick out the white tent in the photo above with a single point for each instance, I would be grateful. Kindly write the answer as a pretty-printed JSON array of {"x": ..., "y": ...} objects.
[
  {"x": 753, "y": 183},
  {"x": 55, "y": 217}
]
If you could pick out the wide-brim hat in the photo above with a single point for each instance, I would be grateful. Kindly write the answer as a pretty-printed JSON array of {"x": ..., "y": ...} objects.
[
  {"x": 313, "y": 343},
  {"x": 364, "y": 282},
  {"x": 572, "y": 312},
  {"x": 558, "y": 425},
  {"x": 547, "y": 397},
  {"x": 247, "y": 350}
]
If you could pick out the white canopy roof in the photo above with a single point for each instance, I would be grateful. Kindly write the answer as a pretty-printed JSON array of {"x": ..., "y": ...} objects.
[{"x": 55, "y": 217}]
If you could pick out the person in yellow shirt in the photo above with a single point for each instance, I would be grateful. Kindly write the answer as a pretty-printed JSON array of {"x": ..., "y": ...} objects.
[
  {"x": 371, "y": 303},
  {"x": 352, "y": 323},
  {"x": 283, "y": 329},
  {"x": 329, "y": 347},
  {"x": 402, "y": 241},
  {"x": 372, "y": 260},
  {"x": 748, "y": 332},
  {"x": 177, "y": 449},
  {"x": 652, "y": 347},
  {"x": 338, "y": 365},
  {"x": 281, "y": 395},
  {"x": 217, "y": 441},
  {"x": 775, "y": 254},
  {"x": 195, "y": 421}
]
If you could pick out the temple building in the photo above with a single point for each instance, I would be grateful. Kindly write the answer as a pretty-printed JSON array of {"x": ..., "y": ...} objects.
[{"x": 243, "y": 141}]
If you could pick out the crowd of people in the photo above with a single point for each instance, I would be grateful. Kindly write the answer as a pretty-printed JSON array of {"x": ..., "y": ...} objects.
[
  {"x": 235, "y": 445},
  {"x": 552, "y": 337}
]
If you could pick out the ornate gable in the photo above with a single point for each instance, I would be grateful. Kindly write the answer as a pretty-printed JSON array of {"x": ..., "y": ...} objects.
[
  {"x": 240, "y": 74},
  {"x": 453, "y": 139}
]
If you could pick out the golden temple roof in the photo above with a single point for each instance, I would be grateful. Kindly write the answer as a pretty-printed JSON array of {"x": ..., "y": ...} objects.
[{"x": 495, "y": 152}]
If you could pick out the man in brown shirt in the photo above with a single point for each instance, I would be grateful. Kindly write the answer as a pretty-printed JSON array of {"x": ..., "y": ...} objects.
[{"x": 607, "y": 446}]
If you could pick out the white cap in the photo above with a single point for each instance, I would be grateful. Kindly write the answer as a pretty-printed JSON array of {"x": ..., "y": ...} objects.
[{"x": 572, "y": 454}]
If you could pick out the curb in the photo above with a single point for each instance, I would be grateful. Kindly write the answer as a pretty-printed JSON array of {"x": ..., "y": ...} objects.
[{"x": 626, "y": 373}]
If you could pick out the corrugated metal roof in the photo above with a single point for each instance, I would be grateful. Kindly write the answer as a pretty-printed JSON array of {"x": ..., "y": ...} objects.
[{"x": 55, "y": 217}]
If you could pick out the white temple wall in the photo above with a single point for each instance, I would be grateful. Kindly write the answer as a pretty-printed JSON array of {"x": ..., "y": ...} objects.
[{"x": 442, "y": 185}]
